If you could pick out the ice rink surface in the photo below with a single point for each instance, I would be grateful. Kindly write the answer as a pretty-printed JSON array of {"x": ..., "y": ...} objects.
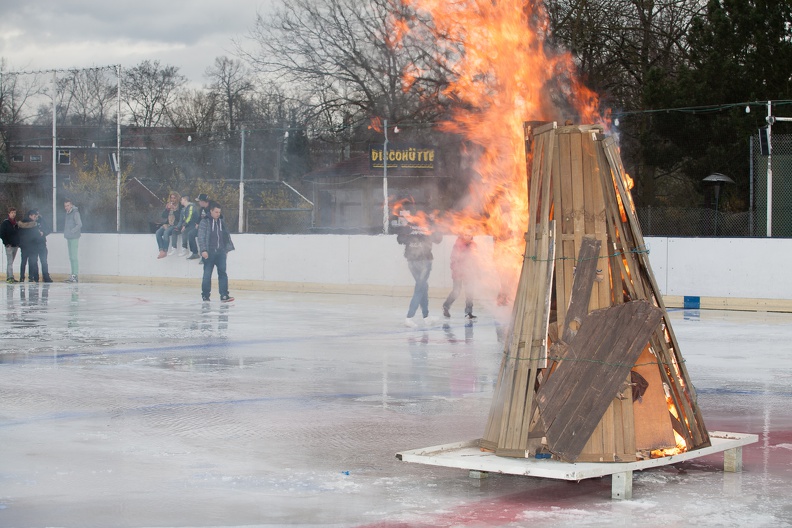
[{"x": 140, "y": 406}]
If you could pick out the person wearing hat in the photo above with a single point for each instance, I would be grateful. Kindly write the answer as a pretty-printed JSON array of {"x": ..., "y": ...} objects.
[{"x": 192, "y": 233}]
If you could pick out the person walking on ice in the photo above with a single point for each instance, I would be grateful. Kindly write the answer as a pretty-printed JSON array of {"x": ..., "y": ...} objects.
[
  {"x": 463, "y": 258},
  {"x": 214, "y": 243},
  {"x": 418, "y": 242}
]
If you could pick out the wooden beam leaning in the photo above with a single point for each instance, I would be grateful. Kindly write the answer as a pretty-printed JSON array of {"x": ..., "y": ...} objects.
[{"x": 574, "y": 399}]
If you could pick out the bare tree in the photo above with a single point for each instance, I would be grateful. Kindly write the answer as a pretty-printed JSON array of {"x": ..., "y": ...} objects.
[
  {"x": 195, "y": 109},
  {"x": 16, "y": 91},
  {"x": 230, "y": 82},
  {"x": 346, "y": 58},
  {"x": 88, "y": 96},
  {"x": 148, "y": 91}
]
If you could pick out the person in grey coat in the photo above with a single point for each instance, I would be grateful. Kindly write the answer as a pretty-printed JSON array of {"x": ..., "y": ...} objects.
[{"x": 72, "y": 229}]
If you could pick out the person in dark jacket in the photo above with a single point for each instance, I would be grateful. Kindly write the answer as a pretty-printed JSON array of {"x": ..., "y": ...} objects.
[
  {"x": 43, "y": 252},
  {"x": 189, "y": 221},
  {"x": 30, "y": 241},
  {"x": 418, "y": 242},
  {"x": 214, "y": 243},
  {"x": 9, "y": 233},
  {"x": 192, "y": 234}
]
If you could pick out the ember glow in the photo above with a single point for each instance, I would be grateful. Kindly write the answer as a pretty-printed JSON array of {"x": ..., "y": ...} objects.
[
  {"x": 504, "y": 75},
  {"x": 681, "y": 445}
]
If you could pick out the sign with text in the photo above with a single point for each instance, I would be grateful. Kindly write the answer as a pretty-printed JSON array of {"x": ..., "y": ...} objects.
[{"x": 403, "y": 157}]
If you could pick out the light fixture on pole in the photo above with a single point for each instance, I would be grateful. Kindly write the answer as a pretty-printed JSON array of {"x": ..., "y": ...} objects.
[{"x": 717, "y": 179}]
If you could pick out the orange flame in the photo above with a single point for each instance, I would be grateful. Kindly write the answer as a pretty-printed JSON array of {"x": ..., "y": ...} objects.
[
  {"x": 681, "y": 445},
  {"x": 504, "y": 74}
]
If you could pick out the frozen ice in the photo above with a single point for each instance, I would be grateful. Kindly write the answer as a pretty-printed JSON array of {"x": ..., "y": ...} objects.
[{"x": 132, "y": 405}]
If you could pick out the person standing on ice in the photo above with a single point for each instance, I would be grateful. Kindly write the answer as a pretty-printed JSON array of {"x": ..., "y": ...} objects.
[
  {"x": 214, "y": 243},
  {"x": 463, "y": 257},
  {"x": 418, "y": 242},
  {"x": 72, "y": 228},
  {"x": 9, "y": 232}
]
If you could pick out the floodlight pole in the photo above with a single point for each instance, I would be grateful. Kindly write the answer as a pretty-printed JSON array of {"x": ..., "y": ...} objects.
[
  {"x": 118, "y": 149},
  {"x": 54, "y": 155},
  {"x": 242, "y": 178},
  {"x": 385, "y": 206},
  {"x": 770, "y": 121}
]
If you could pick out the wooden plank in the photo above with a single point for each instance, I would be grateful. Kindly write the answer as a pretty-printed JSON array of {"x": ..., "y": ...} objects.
[
  {"x": 574, "y": 399},
  {"x": 585, "y": 273},
  {"x": 578, "y": 202},
  {"x": 564, "y": 207}
]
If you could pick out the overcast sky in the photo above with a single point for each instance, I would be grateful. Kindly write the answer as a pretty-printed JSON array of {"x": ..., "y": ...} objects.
[{"x": 62, "y": 34}]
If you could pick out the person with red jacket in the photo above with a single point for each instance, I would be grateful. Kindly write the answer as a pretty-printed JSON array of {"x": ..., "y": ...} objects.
[{"x": 463, "y": 257}]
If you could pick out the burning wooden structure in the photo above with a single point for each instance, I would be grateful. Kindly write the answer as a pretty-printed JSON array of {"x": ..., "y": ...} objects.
[{"x": 591, "y": 370}]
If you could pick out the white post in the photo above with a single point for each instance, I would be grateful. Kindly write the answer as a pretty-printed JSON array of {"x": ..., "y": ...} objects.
[
  {"x": 242, "y": 178},
  {"x": 54, "y": 157},
  {"x": 385, "y": 206},
  {"x": 118, "y": 150},
  {"x": 769, "y": 168}
]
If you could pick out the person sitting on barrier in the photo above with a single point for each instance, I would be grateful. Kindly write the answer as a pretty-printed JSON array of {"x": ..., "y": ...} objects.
[
  {"x": 189, "y": 221},
  {"x": 170, "y": 216}
]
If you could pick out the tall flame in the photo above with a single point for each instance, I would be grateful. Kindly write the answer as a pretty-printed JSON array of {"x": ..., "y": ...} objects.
[{"x": 504, "y": 74}]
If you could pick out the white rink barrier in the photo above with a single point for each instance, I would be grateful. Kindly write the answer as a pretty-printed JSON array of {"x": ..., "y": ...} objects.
[{"x": 738, "y": 273}]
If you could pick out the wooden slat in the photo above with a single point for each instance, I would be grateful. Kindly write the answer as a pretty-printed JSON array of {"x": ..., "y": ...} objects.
[{"x": 585, "y": 273}]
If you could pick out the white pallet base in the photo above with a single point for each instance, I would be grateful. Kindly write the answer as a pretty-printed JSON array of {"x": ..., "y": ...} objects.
[{"x": 467, "y": 455}]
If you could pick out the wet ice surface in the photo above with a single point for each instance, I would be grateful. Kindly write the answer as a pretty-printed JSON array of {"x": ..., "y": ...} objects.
[{"x": 137, "y": 406}]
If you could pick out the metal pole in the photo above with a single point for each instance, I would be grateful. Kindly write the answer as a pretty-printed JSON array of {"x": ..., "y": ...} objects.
[
  {"x": 242, "y": 178},
  {"x": 118, "y": 150},
  {"x": 385, "y": 205},
  {"x": 54, "y": 157},
  {"x": 751, "y": 187},
  {"x": 769, "y": 169}
]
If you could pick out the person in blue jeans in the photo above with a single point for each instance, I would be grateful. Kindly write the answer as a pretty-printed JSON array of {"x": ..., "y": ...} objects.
[
  {"x": 214, "y": 243},
  {"x": 418, "y": 242}
]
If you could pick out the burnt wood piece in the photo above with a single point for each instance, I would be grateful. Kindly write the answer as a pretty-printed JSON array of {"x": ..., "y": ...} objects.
[
  {"x": 574, "y": 399},
  {"x": 585, "y": 274}
]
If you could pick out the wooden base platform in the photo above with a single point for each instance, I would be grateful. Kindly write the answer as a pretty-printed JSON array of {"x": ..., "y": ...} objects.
[{"x": 467, "y": 455}]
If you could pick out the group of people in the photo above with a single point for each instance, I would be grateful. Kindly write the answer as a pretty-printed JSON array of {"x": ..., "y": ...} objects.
[
  {"x": 28, "y": 236},
  {"x": 418, "y": 240},
  {"x": 181, "y": 217},
  {"x": 204, "y": 230}
]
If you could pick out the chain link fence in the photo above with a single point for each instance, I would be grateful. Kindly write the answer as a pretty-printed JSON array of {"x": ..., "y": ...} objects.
[{"x": 279, "y": 199}]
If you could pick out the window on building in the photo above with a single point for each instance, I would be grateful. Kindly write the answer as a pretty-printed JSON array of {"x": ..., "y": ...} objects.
[
  {"x": 17, "y": 158},
  {"x": 35, "y": 158},
  {"x": 64, "y": 157}
]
